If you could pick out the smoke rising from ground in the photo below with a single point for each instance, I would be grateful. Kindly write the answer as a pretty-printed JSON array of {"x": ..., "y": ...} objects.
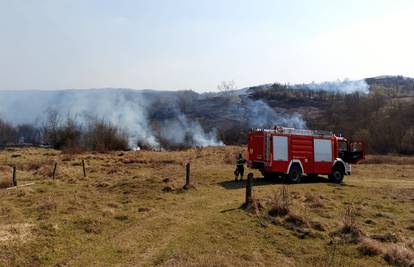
[
  {"x": 126, "y": 109},
  {"x": 346, "y": 86},
  {"x": 261, "y": 115},
  {"x": 150, "y": 118}
]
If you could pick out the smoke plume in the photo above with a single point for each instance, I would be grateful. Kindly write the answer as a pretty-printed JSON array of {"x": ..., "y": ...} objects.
[
  {"x": 261, "y": 115},
  {"x": 346, "y": 86},
  {"x": 126, "y": 109}
]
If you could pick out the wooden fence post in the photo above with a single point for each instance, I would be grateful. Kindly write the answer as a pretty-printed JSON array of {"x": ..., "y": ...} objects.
[
  {"x": 188, "y": 184},
  {"x": 54, "y": 171},
  {"x": 14, "y": 176},
  {"x": 187, "y": 174},
  {"x": 83, "y": 166},
  {"x": 249, "y": 187}
]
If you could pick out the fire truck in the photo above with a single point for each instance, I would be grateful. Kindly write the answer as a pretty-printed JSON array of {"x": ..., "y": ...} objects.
[{"x": 290, "y": 152}]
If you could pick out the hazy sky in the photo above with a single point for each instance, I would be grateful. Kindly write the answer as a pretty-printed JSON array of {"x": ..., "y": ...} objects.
[{"x": 195, "y": 44}]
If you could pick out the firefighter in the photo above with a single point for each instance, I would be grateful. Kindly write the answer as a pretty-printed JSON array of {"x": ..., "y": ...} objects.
[{"x": 239, "y": 168}]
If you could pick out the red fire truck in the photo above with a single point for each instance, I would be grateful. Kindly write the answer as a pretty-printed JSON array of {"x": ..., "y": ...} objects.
[{"x": 289, "y": 152}]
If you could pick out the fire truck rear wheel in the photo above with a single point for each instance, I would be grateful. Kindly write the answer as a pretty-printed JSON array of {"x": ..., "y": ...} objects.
[
  {"x": 295, "y": 174},
  {"x": 337, "y": 175}
]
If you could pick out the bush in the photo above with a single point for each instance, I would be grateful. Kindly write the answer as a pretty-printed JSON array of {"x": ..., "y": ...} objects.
[
  {"x": 99, "y": 135},
  {"x": 102, "y": 136}
]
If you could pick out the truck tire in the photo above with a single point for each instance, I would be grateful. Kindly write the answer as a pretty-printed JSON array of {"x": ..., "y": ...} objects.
[
  {"x": 337, "y": 174},
  {"x": 294, "y": 174}
]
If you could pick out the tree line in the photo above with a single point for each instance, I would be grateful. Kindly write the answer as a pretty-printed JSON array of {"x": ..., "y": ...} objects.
[
  {"x": 65, "y": 133},
  {"x": 383, "y": 118}
]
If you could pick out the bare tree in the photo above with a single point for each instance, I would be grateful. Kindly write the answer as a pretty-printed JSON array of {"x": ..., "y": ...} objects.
[
  {"x": 226, "y": 88},
  {"x": 51, "y": 127}
]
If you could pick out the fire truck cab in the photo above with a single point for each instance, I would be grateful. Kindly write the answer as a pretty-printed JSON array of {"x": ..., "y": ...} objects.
[{"x": 290, "y": 152}]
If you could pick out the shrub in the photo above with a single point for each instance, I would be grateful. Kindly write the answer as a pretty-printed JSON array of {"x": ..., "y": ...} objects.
[{"x": 103, "y": 136}]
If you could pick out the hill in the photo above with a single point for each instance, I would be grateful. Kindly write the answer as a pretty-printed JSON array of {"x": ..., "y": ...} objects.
[{"x": 378, "y": 110}]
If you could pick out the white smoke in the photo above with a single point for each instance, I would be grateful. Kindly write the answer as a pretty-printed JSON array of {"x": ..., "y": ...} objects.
[
  {"x": 345, "y": 86},
  {"x": 126, "y": 109},
  {"x": 180, "y": 130},
  {"x": 148, "y": 117},
  {"x": 261, "y": 115}
]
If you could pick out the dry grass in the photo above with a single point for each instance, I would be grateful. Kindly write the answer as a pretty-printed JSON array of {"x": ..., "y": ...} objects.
[
  {"x": 4, "y": 182},
  {"x": 350, "y": 230},
  {"x": 400, "y": 255},
  {"x": 280, "y": 203},
  {"x": 314, "y": 201},
  {"x": 15, "y": 232},
  {"x": 388, "y": 159},
  {"x": 298, "y": 220},
  {"x": 370, "y": 247},
  {"x": 119, "y": 216}
]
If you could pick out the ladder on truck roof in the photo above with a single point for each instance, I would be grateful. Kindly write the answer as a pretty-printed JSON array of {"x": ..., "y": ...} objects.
[{"x": 286, "y": 130}]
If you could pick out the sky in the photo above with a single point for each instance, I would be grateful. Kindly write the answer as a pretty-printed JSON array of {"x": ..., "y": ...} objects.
[{"x": 197, "y": 44}]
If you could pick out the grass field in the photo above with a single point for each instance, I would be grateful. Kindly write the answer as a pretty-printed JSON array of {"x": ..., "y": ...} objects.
[{"x": 130, "y": 210}]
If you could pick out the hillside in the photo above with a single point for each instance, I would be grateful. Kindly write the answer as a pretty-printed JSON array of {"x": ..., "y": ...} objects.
[{"x": 378, "y": 110}]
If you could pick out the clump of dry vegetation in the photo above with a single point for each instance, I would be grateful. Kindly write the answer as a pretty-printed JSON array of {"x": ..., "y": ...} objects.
[
  {"x": 297, "y": 219},
  {"x": 400, "y": 255},
  {"x": 281, "y": 203},
  {"x": 350, "y": 230},
  {"x": 370, "y": 247},
  {"x": 314, "y": 201},
  {"x": 4, "y": 181}
]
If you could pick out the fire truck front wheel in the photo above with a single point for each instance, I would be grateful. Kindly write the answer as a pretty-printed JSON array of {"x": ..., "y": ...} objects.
[
  {"x": 294, "y": 174},
  {"x": 337, "y": 175}
]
